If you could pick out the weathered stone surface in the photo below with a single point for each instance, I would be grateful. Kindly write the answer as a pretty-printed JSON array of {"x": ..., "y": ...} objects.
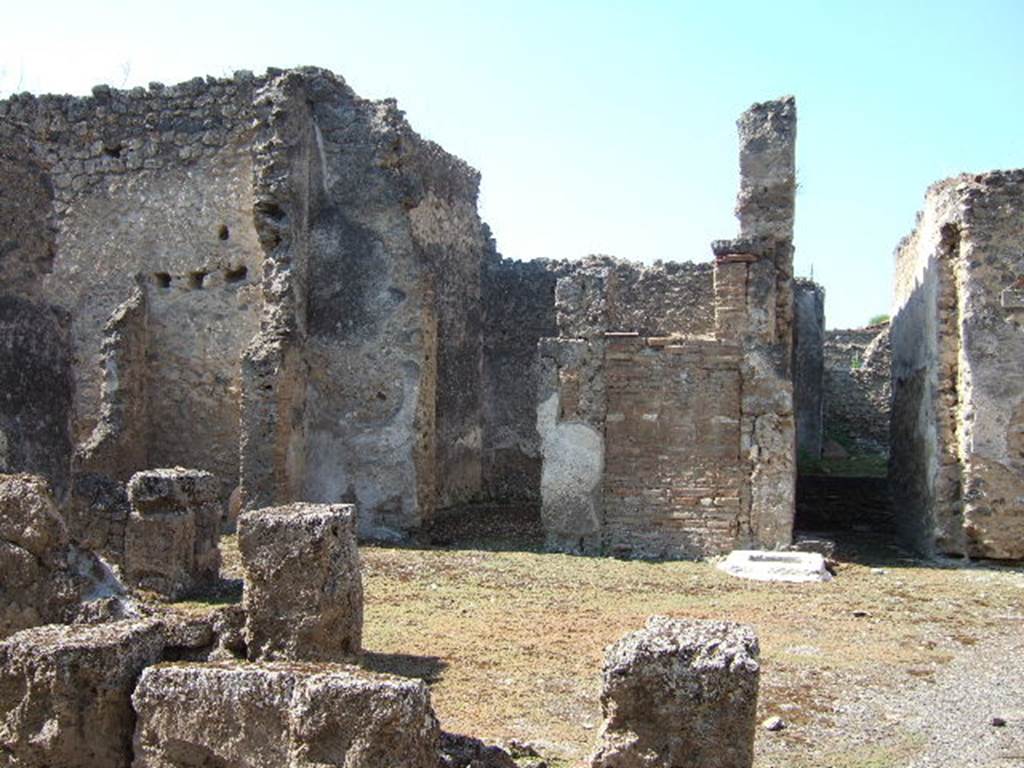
[
  {"x": 274, "y": 714},
  {"x": 36, "y": 391},
  {"x": 858, "y": 388},
  {"x": 957, "y": 468},
  {"x": 65, "y": 693},
  {"x": 303, "y": 584},
  {"x": 98, "y": 515},
  {"x": 42, "y": 578},
  {"x": 808, "y": 366},
  {"x": 680, "y": 694},
  {"x": 172, "y": 532}
]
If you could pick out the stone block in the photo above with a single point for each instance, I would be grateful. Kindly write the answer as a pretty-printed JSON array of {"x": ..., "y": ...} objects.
[
  {"x": 776, "y": 566},
  {"x": 98, "y": 514},
  {"x": 65, "y": 693},
  {"x": 36, "y": 586},
  {"x": 172, "y": 531},
  {"x": 680, "y": 694},
  {"x": 303, "y": 585},
  {"x": 272, "y": 714}
]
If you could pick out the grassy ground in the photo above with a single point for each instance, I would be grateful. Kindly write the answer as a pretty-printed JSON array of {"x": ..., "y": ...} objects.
[{"x": 511, "y": 639}]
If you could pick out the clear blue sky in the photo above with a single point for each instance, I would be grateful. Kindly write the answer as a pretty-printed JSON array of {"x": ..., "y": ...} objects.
[{"x": 607, "y": 127}]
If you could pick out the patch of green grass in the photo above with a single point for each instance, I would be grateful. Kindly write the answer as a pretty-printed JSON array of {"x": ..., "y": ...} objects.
[{"x": 856, "y": 465}]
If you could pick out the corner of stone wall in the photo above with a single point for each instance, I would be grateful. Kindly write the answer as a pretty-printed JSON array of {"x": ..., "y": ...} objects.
[{"x": 273, "y": 379}]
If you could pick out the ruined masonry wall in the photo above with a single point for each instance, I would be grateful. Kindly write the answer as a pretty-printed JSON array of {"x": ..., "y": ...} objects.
[
  {"x": 393, "y": 351},
  {"x": 525, "y": 302},
  {"x": 958, "y": 390},
  {"x": 673, "y": 484},
  {"x": 666, "y": 424},
  {"x": 599, "y": 294},
  {"x": 156, "y": 183}
]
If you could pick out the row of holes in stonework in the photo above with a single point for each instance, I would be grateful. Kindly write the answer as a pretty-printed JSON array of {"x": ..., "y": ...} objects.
[{"x": 196, "y": 280}]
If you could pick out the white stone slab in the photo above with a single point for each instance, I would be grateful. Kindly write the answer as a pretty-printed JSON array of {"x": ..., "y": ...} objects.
[{"x": 763, "y": 565}]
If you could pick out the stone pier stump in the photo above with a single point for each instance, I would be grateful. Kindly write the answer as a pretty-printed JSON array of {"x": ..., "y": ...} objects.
[
  {"x": 303, "y": 584},
  {"x": 680, "y": 694},
  {"x": 65, "y": 693},
  {"x": 172, "y": 531}
]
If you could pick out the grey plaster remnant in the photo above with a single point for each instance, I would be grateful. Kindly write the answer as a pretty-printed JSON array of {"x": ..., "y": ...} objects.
[
  {"x": 36, "y": 391},
  {"x": 808, "y": 366}
]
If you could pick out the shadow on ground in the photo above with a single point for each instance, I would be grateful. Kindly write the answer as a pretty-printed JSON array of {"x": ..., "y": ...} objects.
[{"x": 429, "y": 669}]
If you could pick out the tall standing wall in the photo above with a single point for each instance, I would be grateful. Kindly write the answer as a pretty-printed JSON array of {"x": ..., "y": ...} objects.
[{"x": 957, "y": 455}]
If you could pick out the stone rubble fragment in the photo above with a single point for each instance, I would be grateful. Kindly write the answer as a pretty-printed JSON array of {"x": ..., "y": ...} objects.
[{"x": 680, "y": 694}]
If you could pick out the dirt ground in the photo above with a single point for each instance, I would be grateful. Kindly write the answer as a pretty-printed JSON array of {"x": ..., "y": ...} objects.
[{"x": 511, "y": 640}]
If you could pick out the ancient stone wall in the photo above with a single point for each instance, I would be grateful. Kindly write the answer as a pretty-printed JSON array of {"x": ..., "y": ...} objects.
[
  {"x": 153, "y": 184},
  {"x": 808, "y": 365},
  {"x": 858, "y": 388},
  {"x": 298, "y": 270},
  {"x": 394, "y": 339},
  {"x": 518, "y": 310},
  {"x": 527, "y": 301},
  {"x": 601, "y": 294},
  {"x": 674, "y": 477},
  {"x": 668, "y": 432},
  {"x": 36, "y": 391},
  {"x": 958, "y": 390}
]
